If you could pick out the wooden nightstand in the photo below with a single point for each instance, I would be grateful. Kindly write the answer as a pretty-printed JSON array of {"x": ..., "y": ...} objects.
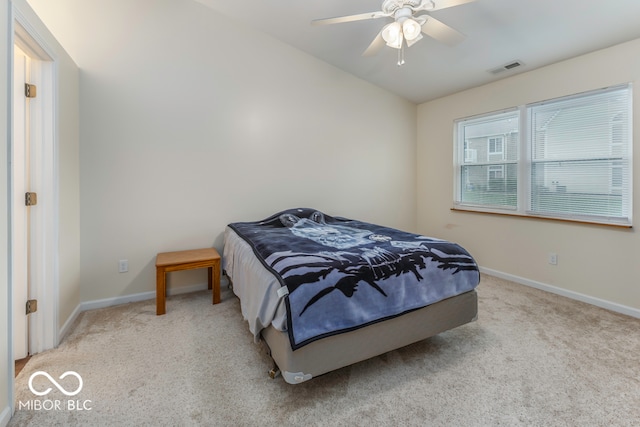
[{"x": 186, "y": 260}]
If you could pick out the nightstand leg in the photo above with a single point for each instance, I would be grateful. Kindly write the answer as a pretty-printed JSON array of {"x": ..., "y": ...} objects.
[
  {"x": 161, "y": 285},
  {"x": 216, "y": 282}
]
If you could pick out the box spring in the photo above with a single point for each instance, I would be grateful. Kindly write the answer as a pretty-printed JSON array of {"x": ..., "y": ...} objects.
[{"x": 334, "y": 352}]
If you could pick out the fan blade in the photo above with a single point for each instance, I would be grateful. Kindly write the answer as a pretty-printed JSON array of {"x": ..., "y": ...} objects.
[
  {"x": 441, "y": 32},
  {"x": 375, "y": 46},
  {"x": 350, "y": 18},
  {"x": 443, "y": 4}
]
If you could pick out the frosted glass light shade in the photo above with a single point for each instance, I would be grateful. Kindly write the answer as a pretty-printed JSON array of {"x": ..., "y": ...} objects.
[
  {"x": 392, "y": 35},
  {"x": 411, "y": 29}
]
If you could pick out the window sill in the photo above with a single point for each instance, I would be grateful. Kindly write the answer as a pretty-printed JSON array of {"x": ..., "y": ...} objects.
[{"x": 541, "y": 217}]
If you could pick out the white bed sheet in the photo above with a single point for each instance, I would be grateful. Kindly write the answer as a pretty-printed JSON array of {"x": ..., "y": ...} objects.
[{"x": 256, "y": 286}]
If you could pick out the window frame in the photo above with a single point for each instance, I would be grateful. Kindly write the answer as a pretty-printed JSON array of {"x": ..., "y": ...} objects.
[{"x": 524, "y": 162}]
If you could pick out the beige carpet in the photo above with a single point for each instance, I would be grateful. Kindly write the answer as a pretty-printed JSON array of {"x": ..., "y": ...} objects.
[{"x": 532, "y": 359}]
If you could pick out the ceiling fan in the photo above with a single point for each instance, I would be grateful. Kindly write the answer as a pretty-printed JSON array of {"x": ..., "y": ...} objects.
[{"x": 411, "y": 18}]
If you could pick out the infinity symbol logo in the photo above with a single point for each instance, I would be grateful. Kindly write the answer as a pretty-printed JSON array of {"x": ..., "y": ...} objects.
[{"x": 58, "y": 386}]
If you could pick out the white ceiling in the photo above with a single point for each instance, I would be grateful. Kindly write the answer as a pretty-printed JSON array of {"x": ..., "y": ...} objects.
[{"x": 535, "y": 32}]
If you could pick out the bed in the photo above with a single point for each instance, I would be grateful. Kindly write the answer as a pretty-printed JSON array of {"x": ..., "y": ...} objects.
[{"x": 324, "y": 292}]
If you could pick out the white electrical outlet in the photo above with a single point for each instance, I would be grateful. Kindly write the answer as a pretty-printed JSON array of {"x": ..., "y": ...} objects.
[
  {"x": 123, "y": 266},
  {"x": 553, "y": 258}
]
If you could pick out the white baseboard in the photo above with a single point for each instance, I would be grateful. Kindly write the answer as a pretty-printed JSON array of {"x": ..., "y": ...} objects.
[
  {"x": 5, "y": 416},
  {"x": 62, "y": 332},
  {"x": 618, "y": 308},
  {"x": 110, "y": 302}
]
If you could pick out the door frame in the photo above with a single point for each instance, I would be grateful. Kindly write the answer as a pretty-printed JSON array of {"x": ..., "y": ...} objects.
[
  {"x": 20, "y": 174},
  {"x": 43, "y": 324}
]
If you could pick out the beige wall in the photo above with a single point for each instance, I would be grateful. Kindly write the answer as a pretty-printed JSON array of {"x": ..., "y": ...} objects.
[
  {"x": 190, "y": 121},
  {"x": 5, "y": 333},
  {"x": 599, "y": 262}
]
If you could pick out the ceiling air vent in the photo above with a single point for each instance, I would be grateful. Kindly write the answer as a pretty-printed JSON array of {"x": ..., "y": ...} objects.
[{"x": 506, "y": 67}]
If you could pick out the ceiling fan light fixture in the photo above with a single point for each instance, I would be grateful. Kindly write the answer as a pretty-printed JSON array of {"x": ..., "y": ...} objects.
[
  {"x": 414, "y": 41},
  {"x": 411, "y": 29},
  {"x": 408, "y": 24},
  {"x": 392, "y": 35}
]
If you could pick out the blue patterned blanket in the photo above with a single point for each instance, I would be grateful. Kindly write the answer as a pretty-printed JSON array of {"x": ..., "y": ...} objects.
[{"x": 343, "y": 274}]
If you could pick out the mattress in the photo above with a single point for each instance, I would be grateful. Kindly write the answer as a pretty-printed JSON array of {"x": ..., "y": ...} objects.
[
  {"x": 255, "y": 286},
  {"x": 338, "y": 274}
]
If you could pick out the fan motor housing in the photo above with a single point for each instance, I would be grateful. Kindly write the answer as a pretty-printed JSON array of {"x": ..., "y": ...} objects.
[{"x": 391, "y": 6}]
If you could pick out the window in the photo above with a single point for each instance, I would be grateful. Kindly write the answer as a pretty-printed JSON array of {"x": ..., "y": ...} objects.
[
  {"x": 489, "y": 176},
  {"x": 470, "y": 156},
  {"x": 495, "y": 147},
  {"x": 572, "y": 162},
  {"x": 496, "y": 172}
]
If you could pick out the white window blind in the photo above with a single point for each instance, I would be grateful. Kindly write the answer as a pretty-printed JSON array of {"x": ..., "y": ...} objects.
[
  {"x": 581, "y": 156},
  {"x": 576, "y": 162}
]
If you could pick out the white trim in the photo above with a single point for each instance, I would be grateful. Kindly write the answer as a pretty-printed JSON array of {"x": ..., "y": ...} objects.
[
  {"x": 26, "y": 32},
  {"x": 26, "y": 29},
  {"x": 7, "y": 412},
  {"x": 608, "y": 305},
  {"x": 37, "y": 45},
  {"x": 18, "y": 216},
  {"x": 110, "y": 302},
  {"x": 66, "y": 328}
]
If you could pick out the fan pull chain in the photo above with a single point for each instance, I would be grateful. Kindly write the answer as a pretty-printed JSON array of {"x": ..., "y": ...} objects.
[{"x": 401, "y": 56}]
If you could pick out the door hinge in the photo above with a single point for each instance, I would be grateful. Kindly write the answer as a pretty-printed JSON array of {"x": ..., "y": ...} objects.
[
  {"x": 32, "y": 306},
  {"x": 29, "y": 90},
  {"x": 30, "y": 199}
]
